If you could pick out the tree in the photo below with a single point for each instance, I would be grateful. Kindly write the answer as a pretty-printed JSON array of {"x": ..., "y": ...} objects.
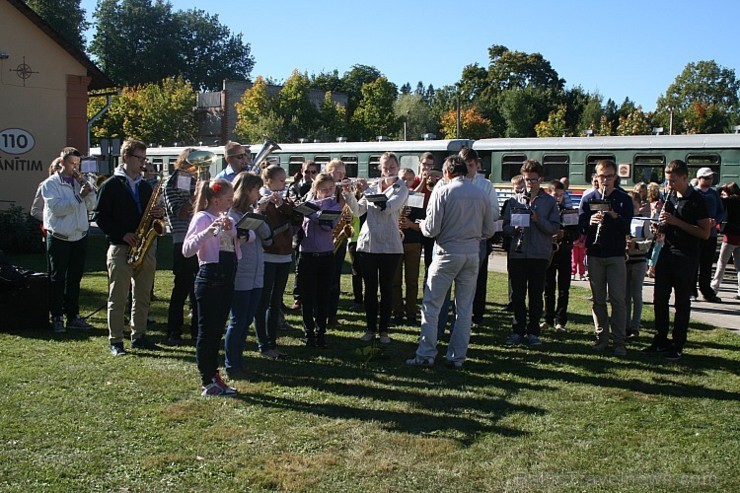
[
  {"x": 412, "y": 110},
  {"x": 374, "y": 116},
  {"x": 472, "y": 125},
  {"x": 555, "y": 125},
  {"x": 591, "y": 115},
  {"x": 327, "y": 81},
  {"x": 352, "y": 82},
  {"x": 293, "y": 104},
  {"x": 253, "y": 111},
  {"x": 209, "y": 53},
  {"x": 160, "y": 113},
  {"x": 139, "y": 41},
  {"x": 704, "y": 98},
  {"x": 332, "y": 118},
  {"x": 522, "y": 109},
  {"x": 635, "y": 123},
  {"x": 67, "y": 18}
]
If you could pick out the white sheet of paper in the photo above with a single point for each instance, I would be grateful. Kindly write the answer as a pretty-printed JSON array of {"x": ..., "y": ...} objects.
[
  {"x": 570, "y": 218},
  {"x": 416, "y": 200},
  {"x": 521, "y": 220},
  {"x": 498, "y": 226},
  {"x": 183, "y": 182}
]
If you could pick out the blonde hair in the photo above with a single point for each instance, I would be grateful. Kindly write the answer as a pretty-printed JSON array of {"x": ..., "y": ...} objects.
[
  {"x": 332, "y": 165},
  {"x": 320, "y": 179},
  {"x": 208, "y": 190}
]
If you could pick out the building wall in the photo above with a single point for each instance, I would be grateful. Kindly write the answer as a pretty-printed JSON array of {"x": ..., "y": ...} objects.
[{"x": 49, "y": 105}]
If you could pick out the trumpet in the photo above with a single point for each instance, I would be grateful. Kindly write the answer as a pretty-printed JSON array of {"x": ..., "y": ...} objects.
[
  {"x": 202, "y": 161},
  {"x": 82, "y": 180}
]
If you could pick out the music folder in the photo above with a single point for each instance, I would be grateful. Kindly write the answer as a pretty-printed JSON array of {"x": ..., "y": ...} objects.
[
  {"x": 251, "y": 221},
  {"x": 329, "y": 215},
  {"x": 376, "y": 197},
  {"x": 307, "y": 208},
  {"x": 415, "y": 200}
]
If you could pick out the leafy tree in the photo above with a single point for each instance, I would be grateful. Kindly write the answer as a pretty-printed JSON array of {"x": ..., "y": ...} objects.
[
  {"x": 139, "y": 41},
  {"x": 412, "y": 110},
  {"x": 327, "y": 81},
  {"x": 160, "y": 113},
  {"x": 515, "y": 69},
  {"x": 374, "y": 116},
  {"x": 444, "y": 100},
  {"x": 332, "y": 118},
  {"x": 591, "y": 115},
  {"x": 405, "y": 89},
  {"x": 522, "y": 109},
  {"x": 635, "y": 123},
  {"x": 555, "y": 125},
  {"x": 251, "y": 112},
  {"x": 209, "y": 53},
  {"x": 294, "y": 105},
  {"x": 67, "y": 18},
  {"x": 352, "y": 82},
  {"x": 472, "y": 124},
  {"x": 703, "y": 98}
]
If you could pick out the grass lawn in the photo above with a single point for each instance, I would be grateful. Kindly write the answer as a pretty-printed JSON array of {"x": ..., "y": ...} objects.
[{"x": 353, "y": 418}]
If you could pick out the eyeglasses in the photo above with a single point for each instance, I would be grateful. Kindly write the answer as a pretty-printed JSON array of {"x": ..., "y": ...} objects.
[
  {"x": 532, "y": 180},
  {"x": 140, "y": 158},
  {"x": 240, "y": 156},
  {"x": 605, "y": 177}
]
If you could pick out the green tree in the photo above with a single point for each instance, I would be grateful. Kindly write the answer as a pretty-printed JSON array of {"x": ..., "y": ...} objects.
[
  {"x": 209, "y": 53},
  {"x": 139, "y": 41},
  {"x": 522, "y": 109},
  {"x": 472, "y": 124},
  {"x": 332, "y": 118},
  {"x": 294, "y": 105},
  {"x": 254, "y": 115},
  {"x": 412, "y": 110},
  {"x": 327, "y": 81},
  {"x": 591, "y": 115},
  {"x": 352, "y": 82},
  {"x": 704, "y": 98},
  {"x": 634, "y": 123},
  {"x": 160, "y": 113},
  {"x": 555, "y": 125},
  {"x": 67, "y": 18},
  {"x": 374, "y": 116}
]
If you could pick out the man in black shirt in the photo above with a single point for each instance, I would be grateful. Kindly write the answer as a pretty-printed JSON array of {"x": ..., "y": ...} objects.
[{"x": 685, "y": 222}]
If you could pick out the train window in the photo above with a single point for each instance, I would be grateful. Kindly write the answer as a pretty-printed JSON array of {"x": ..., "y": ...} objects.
[
  {"x": 372, "y": 167},
  {"x": 511, "y": 165},
  {"x": 591, "y": 161},
  {"x": 696, "y": 161},
  {"x": 409, "y": 161},
  {"x": 350, "y": 166},
  {"x": 555, "y": 166},
  {"x": 648, "y": 168},
  {"x": 295, "y": 163},
  {"x": 322, "y": 161}
]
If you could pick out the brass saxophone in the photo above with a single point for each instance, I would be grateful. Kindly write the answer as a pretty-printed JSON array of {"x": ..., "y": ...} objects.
[
  {"x": 343, "y": 230},
  {"x": 149, "y": 228}
]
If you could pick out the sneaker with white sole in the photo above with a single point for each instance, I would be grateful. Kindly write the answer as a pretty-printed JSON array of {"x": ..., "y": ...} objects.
[
  {"x": 367, "y": 336},
  {"x": 217, "y": 388},
  {"x": 419, "y": 361},
  {"x": 384, "y": 338},
  {"x": 545, "y": 326},
  {"x": 560, "y": 328},
  {"x": 78, "y": 323}
]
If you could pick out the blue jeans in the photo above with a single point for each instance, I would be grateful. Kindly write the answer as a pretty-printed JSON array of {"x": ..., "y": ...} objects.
[
  {"x": 214, "y": 290},
  {"x": 268, "y": 310},
  {"x": 243, "y": 308}
]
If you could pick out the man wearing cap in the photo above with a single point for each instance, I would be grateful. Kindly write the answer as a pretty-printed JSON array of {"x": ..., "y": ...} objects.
[
  {"x": 708, "y": 247},
  {"x": 237, "y": 159}
]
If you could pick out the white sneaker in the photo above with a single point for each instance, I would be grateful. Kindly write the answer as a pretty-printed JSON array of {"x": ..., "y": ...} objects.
[
  {"x": 545, "y": 326},
  {"x": 559, "y": 328},
  {"x": 367, "y": 336}
]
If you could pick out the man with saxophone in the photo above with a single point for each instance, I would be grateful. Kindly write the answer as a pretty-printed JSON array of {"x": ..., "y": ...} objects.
[
  {"x": 685, "y": 222},
  {"x": 127, "y": 205},
  {"x": 67, "y": 199},
  {"x": 604, "y": 217}
]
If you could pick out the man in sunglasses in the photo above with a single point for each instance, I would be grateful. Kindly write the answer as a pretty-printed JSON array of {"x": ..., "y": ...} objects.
[{"x": 237, "y": 158}]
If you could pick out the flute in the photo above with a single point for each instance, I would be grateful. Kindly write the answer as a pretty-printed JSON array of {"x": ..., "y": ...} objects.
[{"x": 223, "y": 217}]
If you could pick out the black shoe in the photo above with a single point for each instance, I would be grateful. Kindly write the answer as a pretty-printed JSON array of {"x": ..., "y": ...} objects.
[
  {"x": 412, "y": 321},
  {"x": 454, "y": 365},
  {"x": 656, "y": 348},
  {"x": 673, "y": 355},
  {"x": 397, "y": 320},
  {"x": 509, "y": 307},
  {"x": 174, "y": 340},
  {"x": 143, "y": 343},
  {"x": 320, "y": 341},
  {"x": 632, "y": 334},
  {"x": 116, "y": 349},
  {"x": 310, "y": 340},
  {"x": 713, "y": 299}
]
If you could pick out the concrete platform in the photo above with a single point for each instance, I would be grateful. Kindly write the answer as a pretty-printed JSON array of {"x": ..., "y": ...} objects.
[{"x": 725, "y": 314}]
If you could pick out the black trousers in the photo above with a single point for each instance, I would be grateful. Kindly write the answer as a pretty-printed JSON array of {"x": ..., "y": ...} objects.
[
  {"x": 558, "y": 279},
  {"x": 527, "y": 279},
  {"x": 378, "y": 271},
  {"x": 184, "y": 270},
  {"x": 673, "y": 273},
  {"x": 316, "y": 271},
  {"x": 707, "y": 251},
  {"x": 356, "y": 272}
]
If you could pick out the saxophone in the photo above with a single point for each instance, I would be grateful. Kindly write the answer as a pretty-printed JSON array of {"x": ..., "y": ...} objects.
[
  {"x": 149, "y": 228},
  {"x": 343, "y": 230}
]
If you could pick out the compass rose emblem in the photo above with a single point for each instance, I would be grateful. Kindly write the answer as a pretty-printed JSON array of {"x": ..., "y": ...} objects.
[{"x": 23, "y": 71}]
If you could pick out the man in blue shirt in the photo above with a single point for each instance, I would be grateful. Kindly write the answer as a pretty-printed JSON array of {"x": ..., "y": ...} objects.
[
  {"x": 238, "y": 158},
  {"x": 708, "y": 247}
]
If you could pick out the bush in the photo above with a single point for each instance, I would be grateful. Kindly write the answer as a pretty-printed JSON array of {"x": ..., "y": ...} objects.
[{"x": 19, "y": 232}]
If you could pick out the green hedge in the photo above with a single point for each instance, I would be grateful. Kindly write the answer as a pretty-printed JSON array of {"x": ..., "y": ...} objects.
[{"x": 19, "y": 232}]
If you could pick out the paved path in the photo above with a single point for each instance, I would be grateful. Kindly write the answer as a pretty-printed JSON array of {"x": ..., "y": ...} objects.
[{"x": 726, "y": 314}]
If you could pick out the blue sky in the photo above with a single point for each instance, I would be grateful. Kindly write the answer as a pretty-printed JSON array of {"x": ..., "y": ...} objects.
[{"x": 620, "y": 48}]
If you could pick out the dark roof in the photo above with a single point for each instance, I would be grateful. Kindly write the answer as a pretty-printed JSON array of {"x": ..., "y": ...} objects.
[{"x": 99, "y": 79}]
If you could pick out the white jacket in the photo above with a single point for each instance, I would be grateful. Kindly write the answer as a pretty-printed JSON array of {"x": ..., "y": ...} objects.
[{"x": 65, "y": 211}]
